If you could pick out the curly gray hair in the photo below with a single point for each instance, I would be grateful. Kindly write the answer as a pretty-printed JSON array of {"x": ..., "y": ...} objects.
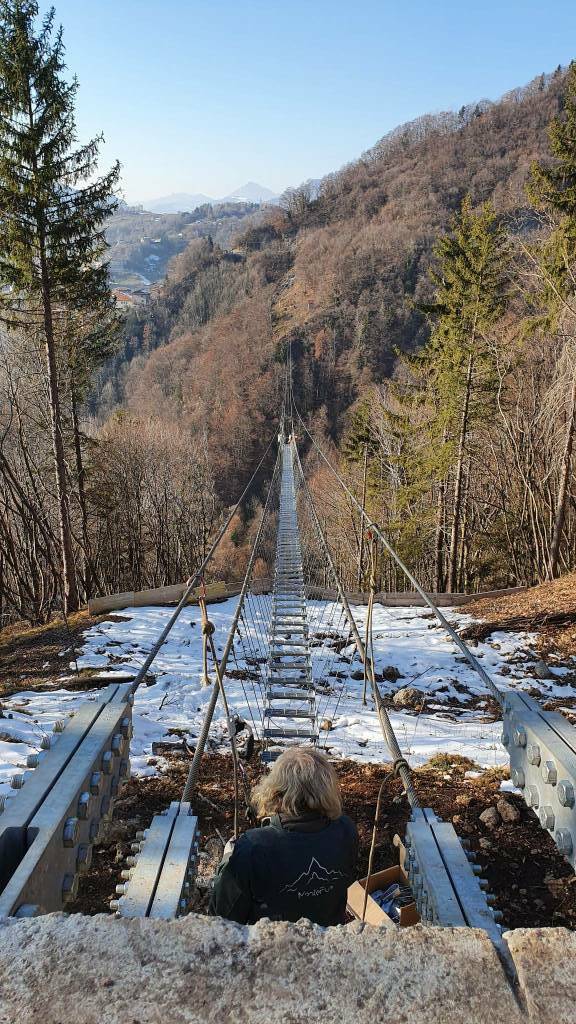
[{"x": 300, "y": 782}]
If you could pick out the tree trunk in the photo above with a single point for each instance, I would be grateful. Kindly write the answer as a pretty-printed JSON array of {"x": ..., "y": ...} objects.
[
  {"x": 361, "y": 539},
  {"x": 457, "y": 511},
  {"x": 439, "y": 540},
  {"x": 561, "y": 504},
  {"x": 81, "y": 478},
  {"x": 69, "y": 586}
]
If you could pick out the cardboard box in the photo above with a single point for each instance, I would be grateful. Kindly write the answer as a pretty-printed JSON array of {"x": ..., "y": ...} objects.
[{"x": 374, "y": 914}]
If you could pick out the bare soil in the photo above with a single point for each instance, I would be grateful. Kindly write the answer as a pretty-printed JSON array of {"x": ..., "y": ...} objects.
[
  {"x": 35, "y": 657},
  {"x": 534, "y": 886},
  {"x": 548, "y": 609}
]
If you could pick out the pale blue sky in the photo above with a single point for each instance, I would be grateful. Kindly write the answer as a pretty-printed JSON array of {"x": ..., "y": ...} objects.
[{"x": 198, "y": 96}]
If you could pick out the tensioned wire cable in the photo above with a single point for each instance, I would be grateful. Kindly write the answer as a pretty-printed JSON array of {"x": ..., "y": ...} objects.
[
  {"x": 462, "y": 646},
  {"x": 197, "y": 576}
]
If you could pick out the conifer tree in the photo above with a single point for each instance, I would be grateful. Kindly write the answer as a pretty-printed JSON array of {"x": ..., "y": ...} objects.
[
  {"x": 52, "y": 213},
  {"x": 552, "y": 189},
  {"x": 471, "y": 283}
]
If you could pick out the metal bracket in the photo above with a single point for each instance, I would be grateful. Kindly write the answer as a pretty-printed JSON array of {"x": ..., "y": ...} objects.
[
  {"x": 542, "y": 749},
  {"x": 160, "y": 875},
  {"x": 446, "y": 889},
  {"x": 48, "y": 828}
]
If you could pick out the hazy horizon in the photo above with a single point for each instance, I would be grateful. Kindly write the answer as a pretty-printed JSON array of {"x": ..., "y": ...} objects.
[{"x": 200, "y": 97}]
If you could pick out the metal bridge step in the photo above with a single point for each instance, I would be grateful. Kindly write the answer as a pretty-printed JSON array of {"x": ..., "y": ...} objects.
[
  {"x": 289, "y": 643},
  {"x": 269, "y": 756},
  {"x": 296, "y": 733},
  {"x": 288, "y": 713},
  {"x": 295, "y": 694}
]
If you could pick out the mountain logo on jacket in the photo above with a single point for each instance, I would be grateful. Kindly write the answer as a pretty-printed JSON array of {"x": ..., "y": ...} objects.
[{"x": 313, "y": 882}]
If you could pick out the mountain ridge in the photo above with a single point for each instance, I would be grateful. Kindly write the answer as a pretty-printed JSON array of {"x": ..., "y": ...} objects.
[{"x": 186, "y": 202}]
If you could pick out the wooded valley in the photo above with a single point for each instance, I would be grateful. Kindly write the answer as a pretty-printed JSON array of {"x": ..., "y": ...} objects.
[{"x": 425, "y": 293}]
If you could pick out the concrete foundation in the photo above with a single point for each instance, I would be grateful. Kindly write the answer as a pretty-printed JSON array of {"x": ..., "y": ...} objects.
[{"x": 59, "y": 969}]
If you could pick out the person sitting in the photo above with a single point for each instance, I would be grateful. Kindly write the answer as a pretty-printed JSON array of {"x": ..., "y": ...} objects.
[{"x": 303, "y": 858}]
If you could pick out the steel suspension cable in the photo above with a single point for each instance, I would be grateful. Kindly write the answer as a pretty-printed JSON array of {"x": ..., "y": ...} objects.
[
  {"x": 197, "y": 576},
  {"x": 400, "y": 765},
  {"x": 462, "y": 646},
  {"x": 221, "y": 669}
]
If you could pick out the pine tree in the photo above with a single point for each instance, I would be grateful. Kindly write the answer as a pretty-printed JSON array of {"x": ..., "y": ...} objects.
[
  {"x": 52, "y": 243},
  {"x": 471, "y": 286},
  {"x": 552, "y": 189}
]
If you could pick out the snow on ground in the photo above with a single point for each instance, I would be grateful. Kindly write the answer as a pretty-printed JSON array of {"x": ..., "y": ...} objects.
[{"x": 453, "y": 718}]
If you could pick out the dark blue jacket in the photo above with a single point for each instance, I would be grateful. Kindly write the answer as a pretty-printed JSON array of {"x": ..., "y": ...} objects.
[{"x": 287, "y": 870}]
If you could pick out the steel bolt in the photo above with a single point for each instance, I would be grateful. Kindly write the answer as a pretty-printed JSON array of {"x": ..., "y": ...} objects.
[
  {"x": 140, "y": 834},
  {"x": 565, "y": 793},
  {"x": 182, "y": 905},
  {"x": 17, "y": 781},
  {"x": 121, "y": 889},
  {"x": 563, "y": 840},
  {"x": 107, "y": 762},
  {"x": 69, "y": 888},
  {"x": 483, "y": 883},
  {"x": 533, "y": 753},
  {"x": 59, "y": 726},
  {"x": 546, "y": 815},
  {"x": 549, "y": 773},
  {"x": 118, "y": 744},
  {"x": 131, "y": 861},
  {"x": 84, "y": 805},
  {"x": 46, "y": 742},
  {"x": 497, "y": 915},
  {"x": 518, "y": 778},
  {"x": 124, "y": 770},
  {"x": 126, "y": 874},
  {"x": 84, "y": 857},
  {"x": 33, "y": 760},
  {"x": 519, "y": 736},
  {"x": 477, "y": 869},
  {"x": 2, "y": 802},
  {"x": 70, "y": 833},
  {"x": 93, "y": 830},
  {"x": 126, "y": 728},
  {"x": 114, "y": 905},
  {"x": 95, "y": 783},
  {"x": 505, "y": 739},
  {"x": 532, "y": 796}
]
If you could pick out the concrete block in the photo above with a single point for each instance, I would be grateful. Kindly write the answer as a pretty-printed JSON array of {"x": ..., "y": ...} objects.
[
  {"x": 204, "y": 971},
  {"x": 545, "y": 960}
]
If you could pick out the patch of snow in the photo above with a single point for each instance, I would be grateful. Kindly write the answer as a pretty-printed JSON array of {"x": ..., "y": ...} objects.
[{"x": 406, "y": 639}]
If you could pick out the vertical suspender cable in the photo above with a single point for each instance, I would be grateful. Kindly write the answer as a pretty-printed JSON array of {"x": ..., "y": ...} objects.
[
  {"x": 401, "y": 766},
  {"x": 201, "y": 741},
  {"x": 196, "y": 577},
  {"x": 472, "y": 661}
]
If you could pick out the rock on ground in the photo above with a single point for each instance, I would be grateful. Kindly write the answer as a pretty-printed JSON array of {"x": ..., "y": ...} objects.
[
  {"x": 491, "y": 818},
  {"x": 407, "y": 697},
  {"x": 508, "y": 811}
]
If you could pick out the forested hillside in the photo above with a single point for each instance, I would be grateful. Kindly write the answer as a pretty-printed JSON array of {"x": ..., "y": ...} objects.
[
  {"x": 342, "y": 275},
  {"x": 424, "y": 295},
  {"x": 143, "y": 242}
]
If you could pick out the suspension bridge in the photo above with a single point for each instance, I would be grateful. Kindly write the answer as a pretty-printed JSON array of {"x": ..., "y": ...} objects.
[{"x": 50, "y": 824}]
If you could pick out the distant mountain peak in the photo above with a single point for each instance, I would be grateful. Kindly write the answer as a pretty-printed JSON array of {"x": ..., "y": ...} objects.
[{"x": 251, "y": 192}]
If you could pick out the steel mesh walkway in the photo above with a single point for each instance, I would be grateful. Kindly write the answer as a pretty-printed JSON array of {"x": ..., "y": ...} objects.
[{"x": 290, "y": 711}]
